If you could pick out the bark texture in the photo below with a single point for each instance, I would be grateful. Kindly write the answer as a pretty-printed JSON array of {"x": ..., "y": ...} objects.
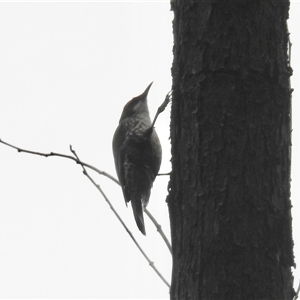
[{"x": 229, "y": 198}]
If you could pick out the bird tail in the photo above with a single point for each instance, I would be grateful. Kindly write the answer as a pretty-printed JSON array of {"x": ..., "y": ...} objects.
[{"x": 138, "y": 215}]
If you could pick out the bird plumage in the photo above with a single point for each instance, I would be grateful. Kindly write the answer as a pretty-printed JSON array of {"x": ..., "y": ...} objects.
[{"x": 137, "y": 153}]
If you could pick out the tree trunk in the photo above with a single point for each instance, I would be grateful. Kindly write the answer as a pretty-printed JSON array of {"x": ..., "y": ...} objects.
[{"x": 229, "y": 198}]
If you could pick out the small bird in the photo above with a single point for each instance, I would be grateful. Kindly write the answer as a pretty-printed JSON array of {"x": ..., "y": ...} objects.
[{"x": 137, "y": 153}]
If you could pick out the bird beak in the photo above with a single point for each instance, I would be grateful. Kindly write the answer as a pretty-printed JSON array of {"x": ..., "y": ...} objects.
[{"x": 144, "y": 95}]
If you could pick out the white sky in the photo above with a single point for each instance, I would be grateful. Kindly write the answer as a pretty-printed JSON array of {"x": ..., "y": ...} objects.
[{"x": 66, "y": 71}]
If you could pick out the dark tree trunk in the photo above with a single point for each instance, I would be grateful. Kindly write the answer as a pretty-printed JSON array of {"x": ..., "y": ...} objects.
[{"x": 229, "y": 199}]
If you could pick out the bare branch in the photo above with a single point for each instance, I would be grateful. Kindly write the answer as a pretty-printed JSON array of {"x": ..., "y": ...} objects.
[
  {"x": 120, "y": 219},
  {"x": 158, "y": 227},
  {"x": 297, "y": 293},
  {"x": 65, "y": 156},
  {"x": 83, "y": 164},
  {"x": 164, "y": 174}
]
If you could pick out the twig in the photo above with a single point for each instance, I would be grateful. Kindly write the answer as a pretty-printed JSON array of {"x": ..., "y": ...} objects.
[
  {"x": 65, "y": 156},
  {"x": 297, "y": 293},
  {"x": 164, "y": 174},
  {"x": 92, "y": 168},
  {"x": 158, "y": 227},
  {"x": 151, "y": 263}
]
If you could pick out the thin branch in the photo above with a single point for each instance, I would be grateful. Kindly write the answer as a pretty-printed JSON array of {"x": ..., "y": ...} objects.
[
  {"x": 94, "y": 169},
  {"x": 158, "y": 227},
  {"x": 151, "y": 263},
  {"x": 65, "y": 156},
  {"x": 164, "y": 174},
  {"x": 297, "y": 293}
]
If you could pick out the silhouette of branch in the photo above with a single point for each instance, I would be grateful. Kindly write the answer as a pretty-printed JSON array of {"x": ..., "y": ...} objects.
[
  {"x": 297, "y": 293},
  {"x": 151, "y": 263},
  {"x": 164, "y": 174},
  {"x": 158, "y": 227},
  {"x": 64, "y": 156}
]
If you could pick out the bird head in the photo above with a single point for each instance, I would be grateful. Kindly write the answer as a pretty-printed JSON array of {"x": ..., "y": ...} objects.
[{"x": 137, "y": 105}]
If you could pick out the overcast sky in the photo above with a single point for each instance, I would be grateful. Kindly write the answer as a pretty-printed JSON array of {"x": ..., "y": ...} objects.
[{"x": 66, "y": 71}]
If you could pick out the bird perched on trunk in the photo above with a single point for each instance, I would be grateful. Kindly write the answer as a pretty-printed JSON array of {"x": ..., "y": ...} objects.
[{"x": 137, "y": 154}]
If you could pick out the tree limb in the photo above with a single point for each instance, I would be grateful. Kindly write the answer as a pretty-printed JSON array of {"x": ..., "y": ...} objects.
[
  {"x": 83, "y": 164},
  {"x": 64, "y": 156},
  {"x": 151, "y": 263},
  {"x": 158, "y": 227}
]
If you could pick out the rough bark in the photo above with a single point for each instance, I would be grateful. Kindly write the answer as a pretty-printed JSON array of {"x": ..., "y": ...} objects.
[{"x": 229, "y": 198}]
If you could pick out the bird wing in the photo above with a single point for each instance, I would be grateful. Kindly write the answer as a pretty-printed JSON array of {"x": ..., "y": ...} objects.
[
  {"x": 119, "y": 156},
  {"x": 143, "y": 159}
]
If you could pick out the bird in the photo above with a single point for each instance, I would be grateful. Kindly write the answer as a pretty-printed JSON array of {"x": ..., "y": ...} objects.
[{"x": 137, "y": 155}]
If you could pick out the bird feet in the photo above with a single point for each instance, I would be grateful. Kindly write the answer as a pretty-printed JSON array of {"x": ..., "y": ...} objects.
[
  {"x": 165, "y": 103},
  {"x": 162, "y": 107}
]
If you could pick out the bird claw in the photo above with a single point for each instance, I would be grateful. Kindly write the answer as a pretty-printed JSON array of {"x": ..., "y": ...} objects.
[
  {"x": 162, "y": 107},
  {"x": 165, "y": 103}
]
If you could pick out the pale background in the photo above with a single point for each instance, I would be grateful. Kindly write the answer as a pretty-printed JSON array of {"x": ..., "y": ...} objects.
[{"x": 66, "y": 71}]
